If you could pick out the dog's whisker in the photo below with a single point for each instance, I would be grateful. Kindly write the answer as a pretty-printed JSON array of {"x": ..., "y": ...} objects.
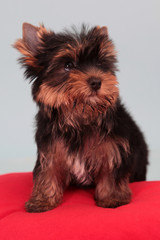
[
  {"x": 109, "y": 100},
  {"x": 91, "y": 106},
  {"x": 111, "y": 97},
  {"x": 74, "y": 104},
  {"x": 58, "y": 90}
]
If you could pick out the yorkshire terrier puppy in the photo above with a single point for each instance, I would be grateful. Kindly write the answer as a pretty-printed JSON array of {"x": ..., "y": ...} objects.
[{"x": 84, "y": 134}]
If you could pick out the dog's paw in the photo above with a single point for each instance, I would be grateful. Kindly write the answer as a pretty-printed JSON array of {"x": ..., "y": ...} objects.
[
  {"x": 37, "y": 206},
  {"x": 112, "y": 203}
]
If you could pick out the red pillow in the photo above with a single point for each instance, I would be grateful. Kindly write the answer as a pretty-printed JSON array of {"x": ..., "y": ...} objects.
[{"x": 78, "y": 217}]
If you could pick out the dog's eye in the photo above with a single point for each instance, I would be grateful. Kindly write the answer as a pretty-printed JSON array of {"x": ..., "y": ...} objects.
[{"x": 69, "y": 66}]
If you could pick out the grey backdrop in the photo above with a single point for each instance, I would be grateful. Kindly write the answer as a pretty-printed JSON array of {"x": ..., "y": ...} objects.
[{"x": 135, "y": 28}]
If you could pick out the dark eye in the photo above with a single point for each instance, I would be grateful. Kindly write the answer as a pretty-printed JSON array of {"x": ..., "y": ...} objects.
[{"x": 68, "y": 66}]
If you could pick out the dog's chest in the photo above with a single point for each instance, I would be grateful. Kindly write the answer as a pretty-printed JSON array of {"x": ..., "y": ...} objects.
[{"x": 78, "y": 171}]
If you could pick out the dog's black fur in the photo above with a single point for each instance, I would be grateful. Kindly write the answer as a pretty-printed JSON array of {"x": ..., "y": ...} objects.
[{"x": 84, "y": 134}]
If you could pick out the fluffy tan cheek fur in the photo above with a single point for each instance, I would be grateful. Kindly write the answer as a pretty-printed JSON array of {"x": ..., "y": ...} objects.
[
  {"x": 77, "y": 88},
  {"x": 50, "y": 96}
]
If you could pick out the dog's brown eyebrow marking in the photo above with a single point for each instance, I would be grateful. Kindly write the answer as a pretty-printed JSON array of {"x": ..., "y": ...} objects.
[
  {"x": 67, "y": 51},
  {"x": 64, "y": 53}
]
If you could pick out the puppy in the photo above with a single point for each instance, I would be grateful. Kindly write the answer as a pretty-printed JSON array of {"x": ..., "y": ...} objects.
[{"x": 84, "y": 134}]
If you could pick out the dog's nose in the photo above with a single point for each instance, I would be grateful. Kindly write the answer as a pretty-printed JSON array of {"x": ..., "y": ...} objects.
[{"x": 95, "y": 83}]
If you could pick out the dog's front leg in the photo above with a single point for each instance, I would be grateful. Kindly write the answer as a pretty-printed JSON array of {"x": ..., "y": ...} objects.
[
  {"x": 50, "y": 180},
  {"x": 112, "y": 192}
]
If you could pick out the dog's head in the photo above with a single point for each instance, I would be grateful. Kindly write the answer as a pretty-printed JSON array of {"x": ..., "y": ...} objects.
[{"x": 75, "y": 70}]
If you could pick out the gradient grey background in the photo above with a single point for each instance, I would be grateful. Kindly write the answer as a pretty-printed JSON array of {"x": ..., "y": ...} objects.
[{"x": 134, "y": 27}]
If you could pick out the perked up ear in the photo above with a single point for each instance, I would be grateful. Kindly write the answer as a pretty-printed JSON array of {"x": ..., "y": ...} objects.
[
  {"x": 103, "y": 30},
  {"x": 30, "y": 37},
  {"x": 31, "y": 43},
  {"x": 107, "y": 47}
]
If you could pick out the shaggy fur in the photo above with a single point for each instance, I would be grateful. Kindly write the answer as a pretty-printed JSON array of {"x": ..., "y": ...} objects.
[{"x": 84, "y": 134}]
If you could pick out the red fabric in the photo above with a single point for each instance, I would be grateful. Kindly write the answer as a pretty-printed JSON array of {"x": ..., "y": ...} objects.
[{"x": 78, "y": 218}]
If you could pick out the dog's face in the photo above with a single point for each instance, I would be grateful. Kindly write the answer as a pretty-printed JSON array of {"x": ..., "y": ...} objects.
[{"x": 70, "y": 69}]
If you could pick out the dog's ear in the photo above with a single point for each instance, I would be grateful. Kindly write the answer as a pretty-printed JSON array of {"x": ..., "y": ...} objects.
[
  {"x": 30, "y": 37},
  {"x": 107, "y": 47},
  {"x": 31, "y": 43},
  {"x": 102, "y": 30}
]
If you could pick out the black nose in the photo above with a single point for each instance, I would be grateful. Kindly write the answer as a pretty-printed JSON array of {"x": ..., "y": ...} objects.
[{"x": 95, "y": 83}]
